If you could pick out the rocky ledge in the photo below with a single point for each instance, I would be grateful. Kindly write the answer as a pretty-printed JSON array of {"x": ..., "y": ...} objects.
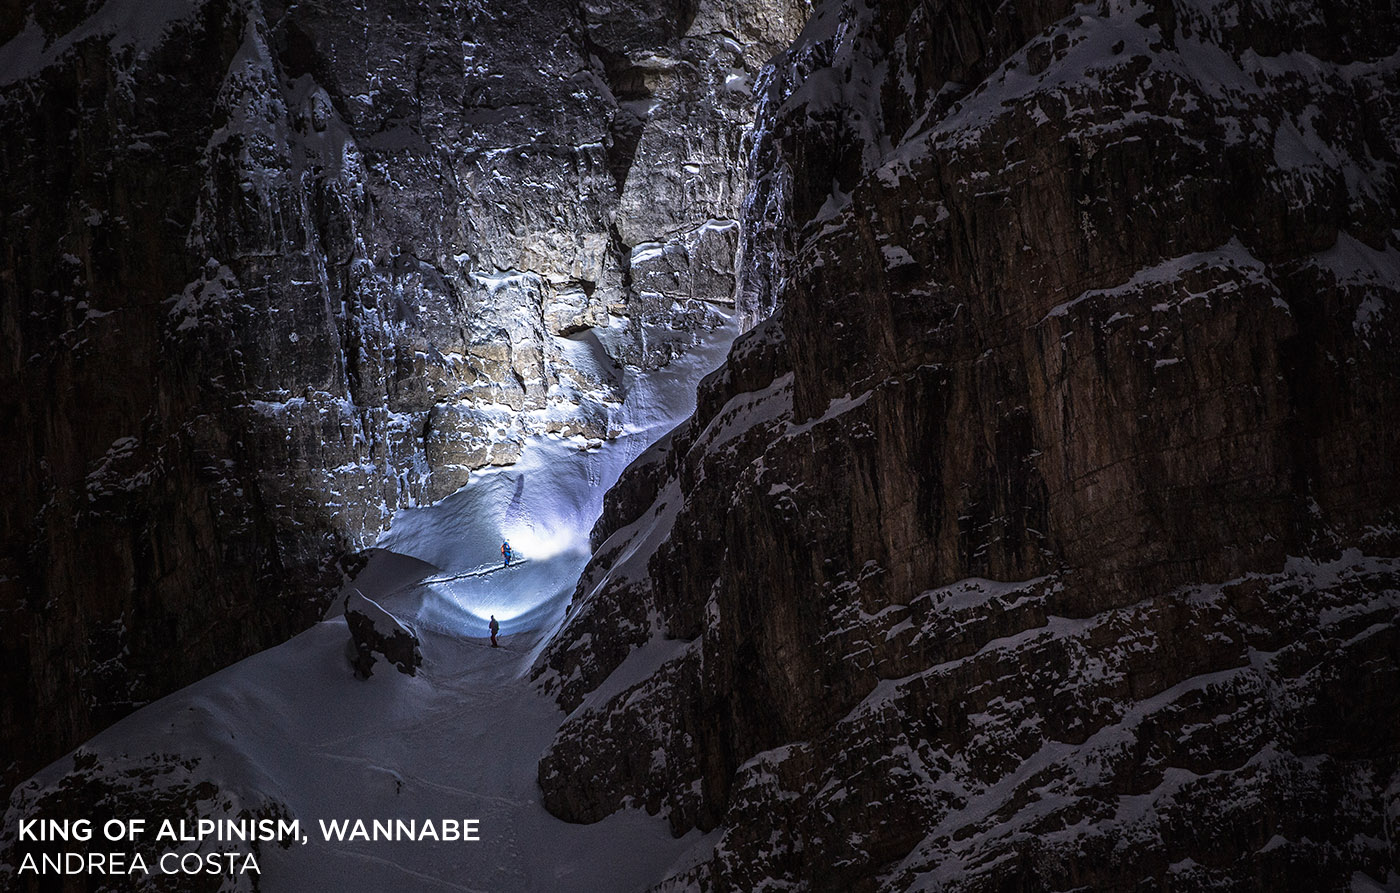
[{"x": 1045, "y": 536}]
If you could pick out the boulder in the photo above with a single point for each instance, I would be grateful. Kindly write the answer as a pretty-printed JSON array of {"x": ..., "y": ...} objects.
[{"x": 373, "y": 629}]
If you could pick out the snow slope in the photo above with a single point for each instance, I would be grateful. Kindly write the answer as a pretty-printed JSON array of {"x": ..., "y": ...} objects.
[{"x": 292, "y": 729}]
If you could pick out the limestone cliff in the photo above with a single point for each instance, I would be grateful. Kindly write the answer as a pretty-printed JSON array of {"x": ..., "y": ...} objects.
[
  {"x": 273, "y": 271},
  {"x": 1095, "y": 302}
]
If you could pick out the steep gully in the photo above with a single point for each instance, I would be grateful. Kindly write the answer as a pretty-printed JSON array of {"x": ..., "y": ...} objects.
[
  {"x": 274, "y": 271},
  {"x": 389, "y": 312},
  {"x": 1112, "y": 323},
  {"x": 291, "y": 732}
]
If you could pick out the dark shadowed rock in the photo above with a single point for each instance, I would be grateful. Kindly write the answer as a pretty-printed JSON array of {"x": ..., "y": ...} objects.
[
  {"x": 1044, "y": 538},
  {"x": 155, "y": 787},
  {"x": 374, "y": 630}
]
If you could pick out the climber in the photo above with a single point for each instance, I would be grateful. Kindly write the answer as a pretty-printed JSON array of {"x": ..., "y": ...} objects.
[
  {"x": 505, "y": 552},
  {"x": 495, "y": 628}
]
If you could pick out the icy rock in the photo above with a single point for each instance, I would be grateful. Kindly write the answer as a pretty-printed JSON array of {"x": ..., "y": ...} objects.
[{"x": 374, "y": 630}]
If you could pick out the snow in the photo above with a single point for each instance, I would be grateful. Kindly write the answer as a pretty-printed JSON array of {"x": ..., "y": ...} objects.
[
  {"x": 975, "y": 591},
  {"x": 462, "y": 739},
  {"x": 384, "y": 623},
  {"x": 639, "y": 665},
  {"x": 1363, "y": 883},
  {"x": 746, "y": 411},
  {"x": 717, "y": 226},
  {"x": 1231, "y": 256},
  {"x": 544, "y": 505},
  {"x": 895, "y": 256},
  {"x": 140, "y": 25},
  {"x": 495, "y": 282},
  {"x": 386, "y": 572},
  {"x": 203, "y": 294},
  {"x": 1354, "y": 263},
  {"x": 106, "y": 476},
  {"x": 647, "y": 251}
]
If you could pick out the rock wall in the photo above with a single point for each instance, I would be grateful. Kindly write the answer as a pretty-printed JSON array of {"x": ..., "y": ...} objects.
[
  {"x": 1092, "y": 300},
  {"x": 273, "y": 271}
]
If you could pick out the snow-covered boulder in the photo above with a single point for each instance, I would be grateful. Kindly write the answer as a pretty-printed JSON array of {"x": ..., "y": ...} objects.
[{"x": 374, "y": 629}]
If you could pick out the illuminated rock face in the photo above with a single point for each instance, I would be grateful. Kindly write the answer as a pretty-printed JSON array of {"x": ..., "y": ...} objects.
[
  {"x": 276, "y": 270},
  {"x": 1094, "y": 298}
]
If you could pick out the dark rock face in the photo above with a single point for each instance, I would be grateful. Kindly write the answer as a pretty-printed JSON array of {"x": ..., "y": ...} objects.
[
  {"x": 374, "y": 630},
  {"x": 123, "y": 788},
  {"x": 273, "y": 271},
  {"x": 1096, "y": 299}
]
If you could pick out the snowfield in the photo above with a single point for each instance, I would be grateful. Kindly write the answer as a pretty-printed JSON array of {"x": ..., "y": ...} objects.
[{"x": 292, "y": 731}]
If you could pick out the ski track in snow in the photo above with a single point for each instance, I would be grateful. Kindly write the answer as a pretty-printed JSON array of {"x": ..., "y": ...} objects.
[{"x": 462, "y": 739}]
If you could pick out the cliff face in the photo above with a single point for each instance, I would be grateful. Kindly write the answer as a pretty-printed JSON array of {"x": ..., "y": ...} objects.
[
  {"x": 1091, "y": 299},
  {"x": 275, "y": 270}
]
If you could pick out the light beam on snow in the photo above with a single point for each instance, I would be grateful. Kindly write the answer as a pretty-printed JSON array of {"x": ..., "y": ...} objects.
[
  {"x": 541, "y": 541},
  {"x": 545, "y": 505},
  {"x": 293, "y": 726}
]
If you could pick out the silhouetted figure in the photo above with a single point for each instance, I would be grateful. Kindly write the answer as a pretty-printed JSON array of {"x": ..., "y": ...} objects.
[
  {"x": 495, "y": 628},
  {"x": 505, "y": 553}
]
